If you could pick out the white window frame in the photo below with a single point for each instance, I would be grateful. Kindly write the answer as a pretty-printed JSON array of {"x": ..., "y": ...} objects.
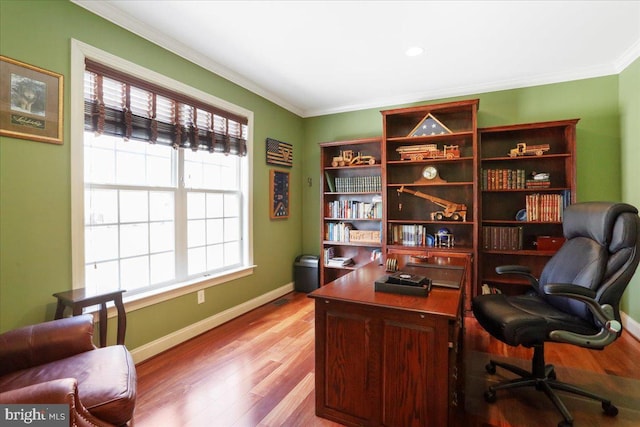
[{"x": 79, "y": 52}]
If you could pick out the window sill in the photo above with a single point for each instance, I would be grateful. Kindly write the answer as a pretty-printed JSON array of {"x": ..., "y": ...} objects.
[{"x": 146, "y": 299}]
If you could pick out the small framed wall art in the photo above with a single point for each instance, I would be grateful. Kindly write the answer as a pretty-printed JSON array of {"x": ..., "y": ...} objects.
[
  {"x": 30, "y": 102},
  {"x": 279, "y": 153},
  {"x": 279, "y": 194}
]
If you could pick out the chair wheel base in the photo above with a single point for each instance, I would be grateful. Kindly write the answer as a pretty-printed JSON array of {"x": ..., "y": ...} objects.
[
  {"x": 490, "y": 396},
  {"x": 543, "y": 378},
  {"x": 609, "y": 409}
]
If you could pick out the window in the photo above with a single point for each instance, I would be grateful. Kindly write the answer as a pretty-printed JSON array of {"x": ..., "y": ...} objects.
[{"x": 165, "y": 186}]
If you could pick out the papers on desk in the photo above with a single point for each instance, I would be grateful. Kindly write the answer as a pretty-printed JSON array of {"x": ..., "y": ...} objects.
[{"x": 445, "y": 276}]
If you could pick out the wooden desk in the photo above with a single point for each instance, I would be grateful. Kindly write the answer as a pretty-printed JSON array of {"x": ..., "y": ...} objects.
[
  {"x": 388, "y": 359},
  {"x": 78, "y": 299}
]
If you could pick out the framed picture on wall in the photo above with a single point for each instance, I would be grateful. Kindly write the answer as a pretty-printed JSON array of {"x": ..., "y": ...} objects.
[
  {"x": 279, "y": 153},
  {"x": 30, "y": 102},
  {"x": 279, "y": 194}
]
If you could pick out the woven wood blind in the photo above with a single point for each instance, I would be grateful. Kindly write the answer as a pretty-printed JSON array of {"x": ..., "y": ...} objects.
[{"x": 121, "y": 105}]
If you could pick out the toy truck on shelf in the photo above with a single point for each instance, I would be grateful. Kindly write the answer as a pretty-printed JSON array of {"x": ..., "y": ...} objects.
[
  {"x": 452, "y": 211},
  {"x": 428, "y": 151},
  {"x": 522, "y": 149},
  {"x": 347, "y": 158}
]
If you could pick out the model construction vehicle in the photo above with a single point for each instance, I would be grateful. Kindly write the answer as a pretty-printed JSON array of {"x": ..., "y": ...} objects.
[
  {"x": 451, "y": 210},
  {"x": 428, "y": 151},
  {"x": 522, "y": 149},
  {"x": 347, "y": 158}
]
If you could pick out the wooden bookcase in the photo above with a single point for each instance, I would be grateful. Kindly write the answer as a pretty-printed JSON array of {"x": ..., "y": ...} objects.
[
  {"x": 459, "y": 178},
  {"x": 351, "y": 203},
  {"x": 429, "y": 166},
  {"x": 507, "y": 235}
]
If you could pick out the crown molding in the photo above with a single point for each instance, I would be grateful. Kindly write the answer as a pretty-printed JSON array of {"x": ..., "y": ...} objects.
[
  {"x": 114, "y": 15},
  {"x": 450, "y": 92},
  {"x": 628, "y": 57}
]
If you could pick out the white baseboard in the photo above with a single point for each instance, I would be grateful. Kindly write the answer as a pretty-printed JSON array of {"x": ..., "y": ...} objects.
[
  {"x": 153, "y": 348},
  {"x": 630, "y": 325}
]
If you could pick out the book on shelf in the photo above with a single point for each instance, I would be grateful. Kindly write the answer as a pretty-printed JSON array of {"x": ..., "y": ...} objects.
[
  {"x": 407, "y": 234},
  {"x": 503, "y": 179},
  {"x": 330, "y": 183},
  {"x": 328, "y": 254},
  {"x": 547, "y": 207},
  {"x": 512, "y": 179},
  {"x": 338, "y": 232},
  {"x": 502, "y": 238},
  {"x": 537, "y": 183},
  {"x": 358, "y": 184},
  {"x": 486, "y": 289},
  {"x": 339, "y": 261},
  {"x": 353, "y": 209}
]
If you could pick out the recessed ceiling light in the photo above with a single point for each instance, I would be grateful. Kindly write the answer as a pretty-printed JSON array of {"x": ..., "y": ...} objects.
[{"x": 414, "y": 51}]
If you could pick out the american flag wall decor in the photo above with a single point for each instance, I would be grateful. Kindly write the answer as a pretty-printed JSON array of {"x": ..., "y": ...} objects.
[
  {"x": 430, "y": 126},
  {"x": 279, "y": 153}
]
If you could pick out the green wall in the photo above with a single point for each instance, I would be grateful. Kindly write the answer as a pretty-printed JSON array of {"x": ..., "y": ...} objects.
[
  {"x": 593, "y": 101},
  {"x": 35, "y": 229},
  {"x": 630, "y": 153},
  {"x": 35, "y": 203}
]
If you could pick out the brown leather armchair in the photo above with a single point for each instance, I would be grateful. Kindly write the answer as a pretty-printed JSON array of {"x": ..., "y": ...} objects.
[{"x": 57, "y": 362}]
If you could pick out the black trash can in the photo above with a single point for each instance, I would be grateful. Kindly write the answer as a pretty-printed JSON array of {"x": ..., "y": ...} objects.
[{"x": 305, "y": 273}]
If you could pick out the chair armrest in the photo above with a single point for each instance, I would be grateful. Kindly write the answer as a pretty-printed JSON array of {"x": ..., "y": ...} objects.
[
  {"x": 45, "y": 342},
  {"x": 60, "y": 391},
  {"x": 521, "y": 270},
  {"x": 570, "y": 290},
  {"x": 610, "y": 327}
]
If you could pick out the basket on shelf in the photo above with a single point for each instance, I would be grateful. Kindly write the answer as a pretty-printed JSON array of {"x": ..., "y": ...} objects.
[{"x": 364, "y": 236}]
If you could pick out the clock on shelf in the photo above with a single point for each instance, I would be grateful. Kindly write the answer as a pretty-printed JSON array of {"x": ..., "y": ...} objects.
[
  {"x": 279, "y": 194},
  {"x": 430, "y": 175}
]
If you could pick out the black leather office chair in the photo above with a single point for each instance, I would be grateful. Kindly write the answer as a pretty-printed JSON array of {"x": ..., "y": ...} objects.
[{"x": 575, "y": 300}]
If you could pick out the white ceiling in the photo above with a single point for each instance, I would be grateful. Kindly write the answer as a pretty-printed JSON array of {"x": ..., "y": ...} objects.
[{"x": 320, "y": 57}]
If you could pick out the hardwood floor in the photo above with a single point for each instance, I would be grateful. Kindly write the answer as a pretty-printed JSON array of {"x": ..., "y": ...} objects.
[{"x": 258, "y": 370}]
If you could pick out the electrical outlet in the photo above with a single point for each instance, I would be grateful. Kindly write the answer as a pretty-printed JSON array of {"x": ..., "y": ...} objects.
[{"x": 201, "y": 296}]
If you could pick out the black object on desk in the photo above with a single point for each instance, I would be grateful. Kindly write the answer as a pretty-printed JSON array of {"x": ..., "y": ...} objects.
[
  {"x": 77, "y": 300},
  {"x": 404, "y": 283}
]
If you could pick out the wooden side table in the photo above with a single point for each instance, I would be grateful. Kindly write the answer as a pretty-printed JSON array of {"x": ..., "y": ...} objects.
[{"x": 77, "y": 299}]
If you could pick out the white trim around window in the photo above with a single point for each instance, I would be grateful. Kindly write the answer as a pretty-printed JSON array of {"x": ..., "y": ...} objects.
[{"x": 79, "y": 52}]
